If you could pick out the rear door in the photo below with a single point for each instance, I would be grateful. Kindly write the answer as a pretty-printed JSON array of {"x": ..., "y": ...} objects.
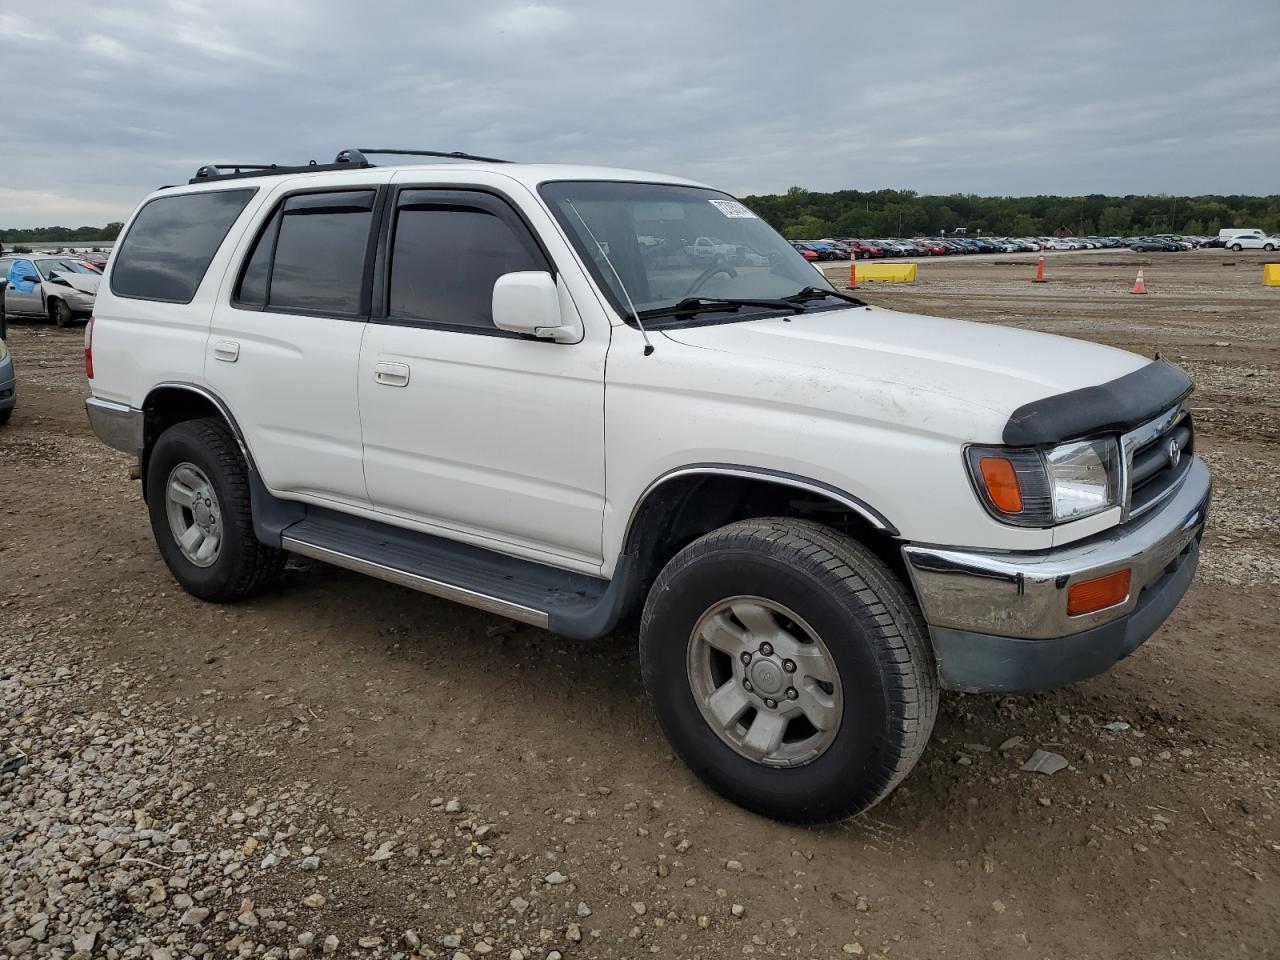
[
  {"x": 470, "y": 431},
  {"x": 284, "y": 345}
]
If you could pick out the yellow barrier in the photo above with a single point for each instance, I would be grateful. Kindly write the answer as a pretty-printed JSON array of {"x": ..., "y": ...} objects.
[
  {"x": 1270, "y": 274},
  {"x": 886, "y": 272}
]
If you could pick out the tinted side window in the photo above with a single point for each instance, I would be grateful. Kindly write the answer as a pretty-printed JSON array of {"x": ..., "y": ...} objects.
[
  {"x": 319, "y": 262},
  {"x": 252, "y": 289},
  {"x": 169, "y": 247},
  {"x": 445, "y": 259}
]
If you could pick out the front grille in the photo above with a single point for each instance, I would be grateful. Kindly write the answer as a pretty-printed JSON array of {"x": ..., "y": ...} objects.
[{"x": 1154, "y": 469}]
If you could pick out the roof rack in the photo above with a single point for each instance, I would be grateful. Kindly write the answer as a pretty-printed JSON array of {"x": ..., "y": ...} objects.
[{"x": 346, "y": 159}]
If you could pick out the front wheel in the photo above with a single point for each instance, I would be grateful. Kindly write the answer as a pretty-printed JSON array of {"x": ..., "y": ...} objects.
[
  {"x": 1269, "y": 247},
  {"x": 1236, "y": 247},
  {"x": 790, "y": 669},
  {"x": 61, "y": 313},
  {"x": 198, "y": 499}
]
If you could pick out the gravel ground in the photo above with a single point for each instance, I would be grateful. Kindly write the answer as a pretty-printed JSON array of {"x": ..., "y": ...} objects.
[{"x": 346, "y": 768}]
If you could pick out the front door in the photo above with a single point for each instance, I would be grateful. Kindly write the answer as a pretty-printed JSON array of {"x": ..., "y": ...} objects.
[
  {"x": 471, "y": 431},
  {"x": 24, "y": 293}
]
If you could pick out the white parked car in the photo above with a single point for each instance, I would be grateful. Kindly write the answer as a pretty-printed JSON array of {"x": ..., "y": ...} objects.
[
  {"x": 1253, "y": 241},
  {"x": 467, "y": 379}
]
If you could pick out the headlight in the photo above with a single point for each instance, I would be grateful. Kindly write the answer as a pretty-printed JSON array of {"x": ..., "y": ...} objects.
[{"x": 1031, "y": 487}]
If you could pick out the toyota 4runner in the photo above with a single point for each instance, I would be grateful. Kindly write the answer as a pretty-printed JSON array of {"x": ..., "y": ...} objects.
[{"x": 515, "y": 386}]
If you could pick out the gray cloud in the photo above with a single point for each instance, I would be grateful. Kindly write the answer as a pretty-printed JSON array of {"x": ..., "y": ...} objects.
[{"x": 104, "y": 104}]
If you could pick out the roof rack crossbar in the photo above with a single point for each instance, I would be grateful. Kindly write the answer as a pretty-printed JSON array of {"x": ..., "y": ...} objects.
[
  {"x": 448, "y": 155},
  {"x": 215, "y": 171}
]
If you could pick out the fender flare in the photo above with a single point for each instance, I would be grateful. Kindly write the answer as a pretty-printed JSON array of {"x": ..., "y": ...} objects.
[
  {"x": 779, "y": 477},
  {"x": 271, "y": 515},
  {"x": 221, "y": 405}
]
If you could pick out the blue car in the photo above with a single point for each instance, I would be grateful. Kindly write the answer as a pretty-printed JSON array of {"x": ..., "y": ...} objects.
[{"x": 8, "y": 385}]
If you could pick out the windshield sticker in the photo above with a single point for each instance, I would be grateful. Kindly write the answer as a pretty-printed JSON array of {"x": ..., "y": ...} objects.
[{"x": 733, "y": 209}]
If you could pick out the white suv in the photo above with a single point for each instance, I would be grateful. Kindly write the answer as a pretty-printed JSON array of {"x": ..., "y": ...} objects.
[{"x": 475, "y": 379}]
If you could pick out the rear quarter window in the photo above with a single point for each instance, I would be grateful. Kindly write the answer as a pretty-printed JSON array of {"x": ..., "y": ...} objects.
[{"x": 171, "y": 243}]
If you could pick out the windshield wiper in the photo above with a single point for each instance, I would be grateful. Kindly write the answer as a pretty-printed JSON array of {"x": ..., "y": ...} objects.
[
  {"x": 817, "y": 293},
  {"x": 691, "y": 305}
]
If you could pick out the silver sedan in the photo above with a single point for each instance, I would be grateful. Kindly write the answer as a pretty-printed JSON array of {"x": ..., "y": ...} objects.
[{"x": 60, "y": 288}]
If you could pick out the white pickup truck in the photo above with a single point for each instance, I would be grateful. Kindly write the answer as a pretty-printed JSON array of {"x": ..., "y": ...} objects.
[{"x": 465, "y": 378}]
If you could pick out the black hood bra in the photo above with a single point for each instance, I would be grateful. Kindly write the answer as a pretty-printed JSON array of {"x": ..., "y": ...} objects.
[{"x": 1113, "y": 407}]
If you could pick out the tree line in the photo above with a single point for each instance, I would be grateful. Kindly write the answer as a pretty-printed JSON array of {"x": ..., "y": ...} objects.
[
  {"x": 70, "y": 235},
  {"x": 801, "y": 214}
]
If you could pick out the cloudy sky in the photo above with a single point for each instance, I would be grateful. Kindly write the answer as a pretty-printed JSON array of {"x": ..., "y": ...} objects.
[{"x": 106, "y": 100}]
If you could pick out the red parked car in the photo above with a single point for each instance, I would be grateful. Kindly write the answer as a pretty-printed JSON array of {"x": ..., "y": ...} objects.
[
  {"x": 806, "y": 252},
  {"x": 935, "y": 249},
  {"x": 864, "y": 250}
]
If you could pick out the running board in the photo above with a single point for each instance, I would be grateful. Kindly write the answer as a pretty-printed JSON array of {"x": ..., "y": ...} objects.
[{"x": 569, "y": 603}]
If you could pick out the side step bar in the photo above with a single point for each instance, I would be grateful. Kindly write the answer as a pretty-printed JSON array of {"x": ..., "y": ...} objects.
[
  {"x": 416, "y": 581},
  {"x": 558, "y": 600}
]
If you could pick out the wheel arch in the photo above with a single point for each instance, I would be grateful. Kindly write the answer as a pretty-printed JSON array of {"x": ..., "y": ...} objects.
[
  {"x": 687, "y": 502},
  {"x": 173, "y": 402}
]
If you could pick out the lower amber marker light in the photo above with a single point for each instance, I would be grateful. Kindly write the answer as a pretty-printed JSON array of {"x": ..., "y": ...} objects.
[{"x": 1090, "y": 596}]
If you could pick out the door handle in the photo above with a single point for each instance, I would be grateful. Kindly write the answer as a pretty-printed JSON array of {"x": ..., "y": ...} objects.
[
  {"x": 227, "y": 351},
  {"x": 391, "y": 374}
]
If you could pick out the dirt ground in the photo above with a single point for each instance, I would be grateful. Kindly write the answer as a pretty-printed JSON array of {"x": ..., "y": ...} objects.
[{"x": 364, "y": 708}]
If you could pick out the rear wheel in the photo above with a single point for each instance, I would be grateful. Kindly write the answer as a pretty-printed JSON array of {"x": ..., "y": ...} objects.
[
  {"x": 790, "y": 669},
  {"x": 198, "y": 500},
  {"x": 1236, "y": 247},
  {"x": 61, "y": 313}
]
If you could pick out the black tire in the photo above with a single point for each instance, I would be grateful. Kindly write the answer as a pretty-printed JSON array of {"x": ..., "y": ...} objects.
[
  {"x": 61, "y": 314},
  {"x": 244, "y": 566},
  {"x": 873, "y": 630},
  {"x": 1236, "y": 247},
  {"x": 1269, "y": 247},
  {"x": 5, "y": 415}
]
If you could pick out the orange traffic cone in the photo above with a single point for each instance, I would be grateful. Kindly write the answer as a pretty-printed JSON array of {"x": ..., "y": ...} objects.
[
  {"x": 1039, "y": 270},
  {"x": 1139, "y": 285},
  {"x": 853, "y": 274}
]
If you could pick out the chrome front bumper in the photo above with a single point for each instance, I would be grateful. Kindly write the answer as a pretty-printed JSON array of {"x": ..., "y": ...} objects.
[
  {"x": 118, "y": 425},
  {"x": 1024, "y": 595}
]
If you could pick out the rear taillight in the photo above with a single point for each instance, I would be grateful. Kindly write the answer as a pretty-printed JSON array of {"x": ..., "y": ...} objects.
[{"x": 88, "y": 349}]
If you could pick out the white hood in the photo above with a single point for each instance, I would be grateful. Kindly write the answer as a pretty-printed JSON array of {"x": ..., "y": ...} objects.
[{"x": 966, "y": 367}]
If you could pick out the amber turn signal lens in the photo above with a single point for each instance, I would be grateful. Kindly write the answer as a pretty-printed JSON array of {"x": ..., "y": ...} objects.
[
  {"x": 1002, "y": 484},
  {"x": 1097, "y": 594}
]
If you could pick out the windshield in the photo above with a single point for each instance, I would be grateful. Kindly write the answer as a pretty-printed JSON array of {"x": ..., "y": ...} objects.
[
  {"x": 49, "y": 267},
  {"x": 669, "y": 243}
]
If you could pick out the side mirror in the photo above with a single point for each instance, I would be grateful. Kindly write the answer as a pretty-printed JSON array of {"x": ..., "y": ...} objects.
[
  {"x": 528, "y": 302},
  {"x": 28, "y": 279}
]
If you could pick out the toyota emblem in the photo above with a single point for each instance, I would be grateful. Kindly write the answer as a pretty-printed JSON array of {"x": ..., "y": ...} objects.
[{"x": 1175, "y": 453}]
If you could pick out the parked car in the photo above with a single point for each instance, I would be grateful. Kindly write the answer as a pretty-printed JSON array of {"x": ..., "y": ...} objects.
[
  {"x": 869, "y": 250},
  {"x": 1228, "y": 234},
  {"x": 59, "y": 288},
  {"x": 930, "y": 247},
  {"x": 1153, "y": 244},
  {"x": 1253, "y": 241},
  {"x": 8, "y": 380},
  {"x": 707, "y": 250},
  {"x": 822, "y": 511},
  {"x": 805, "y": 250}
]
